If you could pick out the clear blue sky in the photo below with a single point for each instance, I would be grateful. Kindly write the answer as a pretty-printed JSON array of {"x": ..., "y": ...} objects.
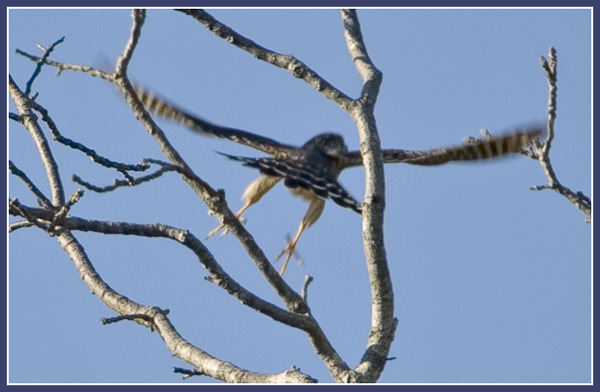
[{"x": 492, "y": 281}]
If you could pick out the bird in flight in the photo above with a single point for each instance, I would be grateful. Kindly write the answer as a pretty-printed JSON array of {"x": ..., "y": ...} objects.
[{"x": 312, "y": 170}]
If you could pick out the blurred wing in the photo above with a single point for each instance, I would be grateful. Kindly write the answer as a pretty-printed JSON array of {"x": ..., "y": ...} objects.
[
  {"x": 476, "y": 150},
  {"x": 162, "y": 108}
]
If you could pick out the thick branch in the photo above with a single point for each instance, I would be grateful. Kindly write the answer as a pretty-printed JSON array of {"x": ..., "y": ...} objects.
[
  {"x": 157, "y": 320},
  {"x": 383, "y": 324},
  {"x": 29, "y": 120},
  {"x": 139, "y": 16}
]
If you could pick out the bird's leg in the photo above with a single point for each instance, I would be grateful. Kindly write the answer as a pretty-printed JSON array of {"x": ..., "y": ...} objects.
[
  {"x": 253, "y": 193},
  {"x": 312, "y": 214}
]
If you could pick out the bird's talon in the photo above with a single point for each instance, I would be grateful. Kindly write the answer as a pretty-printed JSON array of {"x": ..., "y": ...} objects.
[
  {"x": 290, "y": 249},
  {"x": 286, "y": 250}
]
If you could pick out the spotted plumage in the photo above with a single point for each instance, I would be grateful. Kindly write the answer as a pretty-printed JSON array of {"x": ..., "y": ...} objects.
[{"x": 295, "y": 174}]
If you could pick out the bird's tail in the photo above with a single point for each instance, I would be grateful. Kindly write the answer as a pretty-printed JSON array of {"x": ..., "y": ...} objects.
[{"x": 246, "y": 161}]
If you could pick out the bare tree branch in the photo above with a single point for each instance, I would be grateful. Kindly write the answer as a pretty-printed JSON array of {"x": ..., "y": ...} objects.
[
  {"x": 305, "y": 322},
  {"x": 94, "y": 156},
  {"x": 40, "y": 64},
  {"x": 139, "y": 17},
  {"x": 70, "y": 67},
  {"x": 157, "y": 320},
  {"x": 42, "y": 199},
  {"x": 296, "y": 67},
  {"x": 187, "y": 373},
  {"x": 23, "y": 104},
  {"x": 578, "y": 199},
  {"x": 19, "y": 225},
  {"x": 217, "y": 275},
  {"x": 129, "y": 181},
  {"x": 383, "y": 323}
]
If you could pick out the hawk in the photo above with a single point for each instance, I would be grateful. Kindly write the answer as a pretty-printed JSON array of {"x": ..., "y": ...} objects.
[{"x": 312, "y": 170}]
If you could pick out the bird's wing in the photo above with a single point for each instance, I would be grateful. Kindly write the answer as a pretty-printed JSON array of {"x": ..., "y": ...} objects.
[
  {"x": 164, "y": 109},
  {"x": 478, "y": 149}
]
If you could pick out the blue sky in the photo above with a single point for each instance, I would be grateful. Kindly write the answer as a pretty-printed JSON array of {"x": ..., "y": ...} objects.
[{"x": 492, "y": 281}]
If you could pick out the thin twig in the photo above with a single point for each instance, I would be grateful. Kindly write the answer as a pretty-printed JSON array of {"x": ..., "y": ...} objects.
[
  {"x": 304, "y": 292},
  {"x": 40, "y": 64},
  {"x": 121, "y": 183},
  {"x": 19, "y": 225},
  {"x": 70, "y": 67},
  {"x": 42, "y": 199},
  {"x": 187, "y": 373},
  {"x": 94, "y": 156},
  {"x": 64, "y": 210},
  {"x": 132, "y": 317},
  {"x": 17, "y": 209}
]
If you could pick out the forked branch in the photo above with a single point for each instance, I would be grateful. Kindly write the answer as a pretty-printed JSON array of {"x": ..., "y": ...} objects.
[{"x": 578, "y": 199}]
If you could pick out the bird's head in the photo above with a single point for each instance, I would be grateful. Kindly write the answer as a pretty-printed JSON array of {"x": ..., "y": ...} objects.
[{"x": 331, "y": 144}]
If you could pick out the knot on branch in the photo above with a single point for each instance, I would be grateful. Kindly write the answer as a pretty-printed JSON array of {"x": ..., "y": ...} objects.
[{"x": 296, "y": 68}]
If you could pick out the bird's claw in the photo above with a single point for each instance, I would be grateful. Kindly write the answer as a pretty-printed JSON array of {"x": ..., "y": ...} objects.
[{"x": 290, "y": 250}]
